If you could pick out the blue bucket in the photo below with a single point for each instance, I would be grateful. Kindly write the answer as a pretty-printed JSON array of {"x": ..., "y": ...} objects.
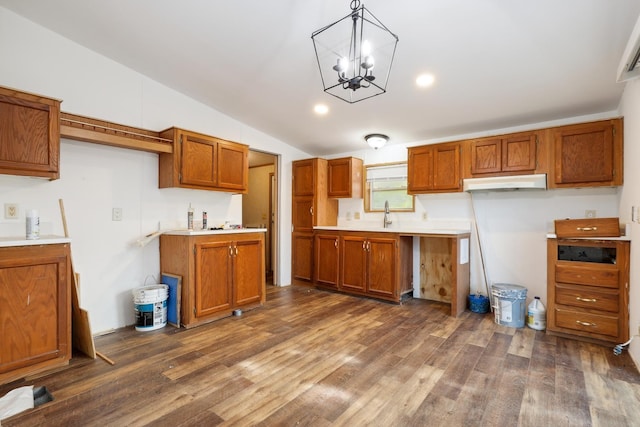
[
  {"x": 509, "y": 304},
  {"x": 478, "y": 303}
]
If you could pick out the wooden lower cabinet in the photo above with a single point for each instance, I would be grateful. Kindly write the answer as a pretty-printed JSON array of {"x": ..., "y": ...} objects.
[
  {"x": 35, "y": 309},
  {"x": 219, "y": 273},
  {"x": 378, "y": 265},
  {"x": 302, "y": 258},
  {"x": 588, "y": 289}
]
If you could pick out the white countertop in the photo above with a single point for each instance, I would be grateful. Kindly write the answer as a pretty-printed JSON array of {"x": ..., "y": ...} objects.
[
  {"x": 21, "y": 241},
  {"x": 413, "y": 231},
  {"x": 210, "y": 232},
  {"x": 623, "y": 238}
]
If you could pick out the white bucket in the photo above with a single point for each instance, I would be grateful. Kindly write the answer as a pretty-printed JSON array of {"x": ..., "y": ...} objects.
[
  {"x": 509, "y": 304},
  {"x": 151, "y": 307}
]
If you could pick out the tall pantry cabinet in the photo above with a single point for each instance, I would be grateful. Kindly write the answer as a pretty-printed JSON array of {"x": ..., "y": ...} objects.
[{"x": 310, "y": 207}]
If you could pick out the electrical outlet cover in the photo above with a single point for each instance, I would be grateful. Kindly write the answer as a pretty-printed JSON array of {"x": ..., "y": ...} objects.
[{"x": 11, "y": 211}]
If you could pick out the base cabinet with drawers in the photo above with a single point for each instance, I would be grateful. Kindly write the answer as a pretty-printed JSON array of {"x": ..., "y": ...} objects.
[{"x": 588, "y": 288}]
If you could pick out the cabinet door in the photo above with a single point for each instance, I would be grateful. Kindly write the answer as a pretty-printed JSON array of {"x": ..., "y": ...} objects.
[
  {"x": 248, "y": 266},
  {"x": 213, "y": 278},
  {"x": 303, "y": 214},
  {"x": 34, "y": 309},
  {"x": 304, "y": 172},
  {"x": 302, "y": 256},
  {"x": 326, "y": 260},
  {"x": 381, "y": 272},
  {"x": 486, "y": 156},
  {"x": 446, "y": 167},
  {"x": 420, "y": 169},
  {"x": 519, "y": 153},
  {"x": 232, "y": 164},
  {"x": 198, "y": 161},
  {"x": 354, "y": 261},
  {"x": 588, "y": 154},
  {"x": 30, "y": 134}
]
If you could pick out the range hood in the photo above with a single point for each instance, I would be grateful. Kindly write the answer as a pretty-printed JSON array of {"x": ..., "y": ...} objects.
[{"x": 515, "y": 182}]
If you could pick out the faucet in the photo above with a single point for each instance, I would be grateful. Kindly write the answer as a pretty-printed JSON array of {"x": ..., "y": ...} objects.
[{"x": 387, "y": 220}]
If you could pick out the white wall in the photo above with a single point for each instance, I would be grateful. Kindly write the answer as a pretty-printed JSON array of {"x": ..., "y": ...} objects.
[
  {"x": 630, "y": 107},
  {"x": 95, "y": 178}
]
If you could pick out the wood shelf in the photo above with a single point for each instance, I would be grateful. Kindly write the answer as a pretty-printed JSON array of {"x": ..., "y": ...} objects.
[{"x": 86, "y": 129}]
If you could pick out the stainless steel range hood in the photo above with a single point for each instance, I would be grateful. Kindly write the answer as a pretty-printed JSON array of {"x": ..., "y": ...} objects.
[{"x": 500, "y": 183}]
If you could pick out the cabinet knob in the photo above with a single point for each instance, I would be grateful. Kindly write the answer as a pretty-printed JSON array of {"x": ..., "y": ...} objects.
[
  {"x": 580, "y": 322},
  {"x": 586, "y": 299}
]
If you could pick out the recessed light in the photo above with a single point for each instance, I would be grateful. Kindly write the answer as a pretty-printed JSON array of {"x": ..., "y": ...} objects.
[
  {"x": 425, "y": 80},
  {"x": 320, "y": 109}
]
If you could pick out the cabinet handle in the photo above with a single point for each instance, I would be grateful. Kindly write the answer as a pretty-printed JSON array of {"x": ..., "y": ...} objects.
[
  {"x": 579, "y": 322},
  {"x": 236, "y": 251},
  {"x": 586, "y": 299},
  {"x": 368, "y": 246},
  {"x": 311, "y": 210},
  {"x": 586, "y": 228},
  {"x": 335, "y": 243},
  {"x": 230, "y": 251},
  {"x": 364, "y": 245}
]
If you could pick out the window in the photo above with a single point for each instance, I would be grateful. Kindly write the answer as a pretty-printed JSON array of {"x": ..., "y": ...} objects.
[{"x": 387, "y": 182}]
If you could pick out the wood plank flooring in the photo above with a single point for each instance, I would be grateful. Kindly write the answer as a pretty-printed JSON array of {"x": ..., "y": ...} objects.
[{"x": 316, "y": 358}]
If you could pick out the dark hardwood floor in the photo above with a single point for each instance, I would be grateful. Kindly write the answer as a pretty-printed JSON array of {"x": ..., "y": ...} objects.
[{"x": 316, "y": 358}]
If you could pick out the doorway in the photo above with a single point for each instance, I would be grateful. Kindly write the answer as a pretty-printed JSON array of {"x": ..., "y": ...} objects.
[{"x": 260, "y": 206}]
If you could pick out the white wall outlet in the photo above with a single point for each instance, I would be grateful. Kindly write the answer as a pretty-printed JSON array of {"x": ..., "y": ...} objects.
[
  {"x": 11, "y": 211},
  {"x": 356, "y": 215},
  {"x": 634, "y": 214},
  {"x": 425, "y": 216},
  {"x": 348, "y": 216},
  {"x": 590, "y": 213},
  {"x": 116, "y": 214}
]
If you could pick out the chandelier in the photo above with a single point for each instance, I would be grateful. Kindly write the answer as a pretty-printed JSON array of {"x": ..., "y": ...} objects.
[{"x": 355, "y": 55}]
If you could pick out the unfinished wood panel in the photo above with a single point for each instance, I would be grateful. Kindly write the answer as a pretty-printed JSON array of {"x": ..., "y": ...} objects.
[{"x": 436, "y": 277}]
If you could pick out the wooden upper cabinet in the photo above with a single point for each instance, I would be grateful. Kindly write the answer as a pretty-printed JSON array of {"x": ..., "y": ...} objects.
[
  {"x": 507, "y": 153},
  {"x": 345, "y": 178},
  {"x": 304, "y": 177},
  {"x": 29, "y": 134},
  {"x": 589, "y": 154},
  {"x": 204, "y": 162},
  {"x": 434, "y": 168}
]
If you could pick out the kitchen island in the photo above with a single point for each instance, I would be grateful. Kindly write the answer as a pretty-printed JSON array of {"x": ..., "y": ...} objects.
[
  {"x": 221, "y": 270},
  {"x": 382, "y": 262}
]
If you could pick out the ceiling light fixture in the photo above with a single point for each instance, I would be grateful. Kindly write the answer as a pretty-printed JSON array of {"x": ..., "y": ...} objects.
[
  {"x": 349, "y": 50},
  {"x": 376, "y": 140}
]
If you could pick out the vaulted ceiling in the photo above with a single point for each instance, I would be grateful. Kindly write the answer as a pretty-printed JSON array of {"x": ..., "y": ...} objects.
[{"x": 496, "y": 63}]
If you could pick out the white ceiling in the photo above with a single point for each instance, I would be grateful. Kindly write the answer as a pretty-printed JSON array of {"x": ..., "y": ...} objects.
[{"x": 497, "y": 63}]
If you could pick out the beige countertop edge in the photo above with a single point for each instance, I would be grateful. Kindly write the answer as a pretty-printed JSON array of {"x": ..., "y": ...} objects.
[
  {"x": 214, "y": 232},
  {"x": 403, "y": 231},
  {"x": 6, "y": 242}
]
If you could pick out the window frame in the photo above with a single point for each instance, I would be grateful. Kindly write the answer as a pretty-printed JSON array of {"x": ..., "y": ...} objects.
[{"x": 367, "y": 190}]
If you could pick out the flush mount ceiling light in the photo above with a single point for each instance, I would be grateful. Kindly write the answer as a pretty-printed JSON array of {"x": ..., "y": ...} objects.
[
  {"x": 376, "y": 140},
  {"x": 355, "y": 55}
]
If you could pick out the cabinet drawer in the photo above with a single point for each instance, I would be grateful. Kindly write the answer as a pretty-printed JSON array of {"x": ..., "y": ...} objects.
[
  {"x": 605, "y": 277},
  {"x": 586, "y": 297},
  {"x": 601, "y": 324},
  {"x": 588, "y": 227}
]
